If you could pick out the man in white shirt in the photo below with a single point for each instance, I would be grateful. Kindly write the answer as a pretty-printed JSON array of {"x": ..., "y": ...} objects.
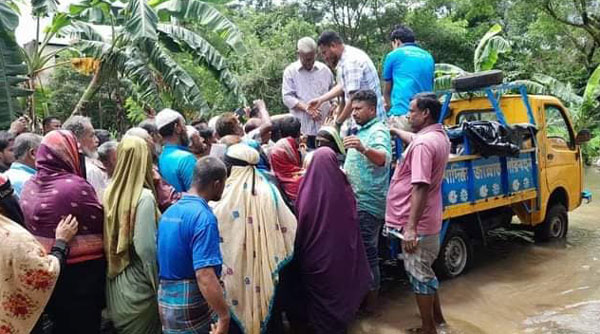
[
  {"x": 304, "y": 80},
  {"x": 83, "y": 129}
]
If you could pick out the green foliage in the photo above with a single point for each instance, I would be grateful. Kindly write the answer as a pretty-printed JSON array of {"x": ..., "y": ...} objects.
[
  {"x": 271, "y": 40},
  {"x": 106, "y": 108},
  {"x": 135, "y": 112},
  {"x": 12, "y": 69}
]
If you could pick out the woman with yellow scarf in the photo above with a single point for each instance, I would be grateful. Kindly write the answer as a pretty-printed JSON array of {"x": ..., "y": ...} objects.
[{"x": 130, "y": 220}]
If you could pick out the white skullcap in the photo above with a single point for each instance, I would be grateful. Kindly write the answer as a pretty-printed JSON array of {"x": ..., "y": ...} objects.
[{"x": 166, "y": 117}]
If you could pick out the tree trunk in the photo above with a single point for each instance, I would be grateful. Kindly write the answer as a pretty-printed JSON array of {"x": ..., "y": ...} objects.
[{"x": 89, "y": 92}]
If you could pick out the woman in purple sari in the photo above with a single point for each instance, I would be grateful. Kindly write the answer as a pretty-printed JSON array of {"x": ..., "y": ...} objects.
[
  {"x": 57, "y": 190},
  {"x": 329, "y": 251}
]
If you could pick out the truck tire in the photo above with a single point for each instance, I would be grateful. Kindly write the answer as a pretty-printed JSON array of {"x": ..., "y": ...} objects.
[
  {"x": 456, "y": 253},
  {"x": 555, "y": 225},
  {"x": 478, "y": 80}
]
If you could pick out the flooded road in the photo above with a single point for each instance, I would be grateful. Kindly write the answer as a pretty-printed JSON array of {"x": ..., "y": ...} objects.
[{"x": 515, "y": 286}]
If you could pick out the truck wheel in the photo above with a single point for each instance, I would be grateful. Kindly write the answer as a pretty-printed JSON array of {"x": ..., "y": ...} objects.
[
  {"x": 554, "y": 226},
  {"x": 456, "y": 253}
]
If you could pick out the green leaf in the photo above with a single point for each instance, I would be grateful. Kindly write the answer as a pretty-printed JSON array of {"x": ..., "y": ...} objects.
[
  {"x": 591, "y": 89},
  {"x": 43, "y": 8},
  {"x": 9, "y": 20},
  {"x": 205, "y": 15},
  {"x": 92, "y": 11},
  {"x": 141, "y": 21},
  {"x": 494, "y": 47},
  {"x": 488, "y": 49},
  {"x": 12, "y": 68},
  {"x": 443, "y": 82},
  {"x": 552, "y": 86},
  {"x": 80, "y": 30},
  {"x": 177, "y": 79},
  {"x": 448, "y": 69},
  {"x": 129, "y": 63},
  {"x": 204, "y": 52},
  {"x": 59, "y": 21}
]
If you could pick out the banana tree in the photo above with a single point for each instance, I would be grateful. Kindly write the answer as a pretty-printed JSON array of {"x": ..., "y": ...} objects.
[
  {"x": 143, "y": 37},
  {"x": 584, "y": 109},
  {"x": 12, "y": 68},
  {"x": 485, "y": 57}
]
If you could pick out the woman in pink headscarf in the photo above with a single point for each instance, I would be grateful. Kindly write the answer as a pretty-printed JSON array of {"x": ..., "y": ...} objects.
[{"x": 57, "y": 190}]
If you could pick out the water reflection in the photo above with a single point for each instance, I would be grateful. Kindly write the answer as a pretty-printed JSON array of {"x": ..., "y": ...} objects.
[{"x": 515, "y": 286}]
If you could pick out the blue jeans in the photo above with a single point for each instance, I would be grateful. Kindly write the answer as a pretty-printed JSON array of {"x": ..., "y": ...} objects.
[{"x": 370, "y": 227}]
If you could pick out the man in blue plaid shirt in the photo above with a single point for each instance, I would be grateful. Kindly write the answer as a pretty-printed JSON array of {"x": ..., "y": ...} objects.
[{"x": 355, "y": 71}]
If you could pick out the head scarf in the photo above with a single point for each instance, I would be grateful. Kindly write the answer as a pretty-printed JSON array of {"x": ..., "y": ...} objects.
[
  {"x": 28, "y": 278},
  {"x": 329, "y": 247},
  {"x": 59, "y": 189},
  {"x": 8, "y": 201},
  {"x": 257, "y": 234},
  {"x": 287, "y": 165},
  {"x": 133, "y": 173},
  {"x": 333, "y": 135}
]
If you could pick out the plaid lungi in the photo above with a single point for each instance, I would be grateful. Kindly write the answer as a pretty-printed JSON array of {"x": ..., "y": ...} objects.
[
  {"x": 418, "y": 265},
  {"x": 182, "y": 308}
]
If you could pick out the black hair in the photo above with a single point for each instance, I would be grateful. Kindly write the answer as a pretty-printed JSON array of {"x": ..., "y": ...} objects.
[
  {"x": 226, "y": 124},
  {"x": 102, "y": 135},
  {"x": 329, "y": 38},
  {"x": 290, "y": 127},
  {"x": 149, "y": 126},
  {"x": 402, "y": 33},
  {"x": 169, "y": 129},
  {"x": 208, "y": 170},
  {"x": 429, "y": 101},
  {"x": 205, "y": 131},
  {"x": 5, "y": 139},
  {"x": 276, "y": 129},
  {"x": 46, "y": 121},
  {"x": 365, "y": 95}
]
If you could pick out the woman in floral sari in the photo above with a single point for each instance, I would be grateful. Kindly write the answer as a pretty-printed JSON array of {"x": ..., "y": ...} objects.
[
  {"x": 27, "y": 273},
  {"x": 257, "y": 231}
]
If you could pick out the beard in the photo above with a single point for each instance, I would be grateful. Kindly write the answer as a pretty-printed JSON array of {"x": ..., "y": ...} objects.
[
  {"x": 90, "y": 154},
  {"x": 183, "y": 138}
]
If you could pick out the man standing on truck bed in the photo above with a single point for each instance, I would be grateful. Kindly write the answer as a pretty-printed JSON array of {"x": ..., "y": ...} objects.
[
  {"x": 407, "y": 70},
  {"x": 414, "y": 203}
]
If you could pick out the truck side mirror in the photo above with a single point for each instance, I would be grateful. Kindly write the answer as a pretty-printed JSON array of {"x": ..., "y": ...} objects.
[{"x": 583, "y": 136}]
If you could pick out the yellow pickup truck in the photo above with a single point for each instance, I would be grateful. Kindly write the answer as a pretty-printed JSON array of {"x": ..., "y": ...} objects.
[{"x": 539, "y": 183}]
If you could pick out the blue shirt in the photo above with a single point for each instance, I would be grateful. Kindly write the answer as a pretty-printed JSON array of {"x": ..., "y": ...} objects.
[
  {"x": 188, "y": 239},
  {"x": 18, "y": 174},
  {"x": 369, "y": 181},
  {"x": 410, "y": 69},
  {"x": 176, "y": 165}
]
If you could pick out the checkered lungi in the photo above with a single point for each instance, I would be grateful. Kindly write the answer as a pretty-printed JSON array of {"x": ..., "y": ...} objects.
[
  {"x": 418, "y": 265},
  {"x": 182, "y": 307}
]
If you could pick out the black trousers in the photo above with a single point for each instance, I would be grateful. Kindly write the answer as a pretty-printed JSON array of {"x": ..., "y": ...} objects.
[{"x": 76, "y": 304}]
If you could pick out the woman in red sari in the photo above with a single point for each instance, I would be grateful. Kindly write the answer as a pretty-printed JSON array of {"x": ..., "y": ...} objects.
[{"x": 285, "y": 158}]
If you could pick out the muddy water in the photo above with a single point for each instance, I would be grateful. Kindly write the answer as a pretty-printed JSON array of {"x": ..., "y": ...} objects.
[{"x": 515, "y": 286}]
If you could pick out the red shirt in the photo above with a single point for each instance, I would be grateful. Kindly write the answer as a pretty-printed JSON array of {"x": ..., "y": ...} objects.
[{"x": 424, "y": 161}]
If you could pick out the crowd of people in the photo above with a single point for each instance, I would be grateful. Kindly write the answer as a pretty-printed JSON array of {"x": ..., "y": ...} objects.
[{"x": 244, "y": 223}]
